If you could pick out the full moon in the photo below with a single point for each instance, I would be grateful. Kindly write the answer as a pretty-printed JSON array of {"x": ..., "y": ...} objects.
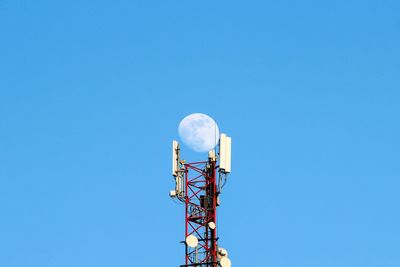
[{"x": 199, "y": 132}]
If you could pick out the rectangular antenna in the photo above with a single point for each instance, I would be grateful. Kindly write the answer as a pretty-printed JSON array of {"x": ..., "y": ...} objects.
[
  {"x": 228, "y": 155},
  {"x": 225, "y": 153},
  {"x": 211, "y": 155},
  {"x": 175, "y": 157}
]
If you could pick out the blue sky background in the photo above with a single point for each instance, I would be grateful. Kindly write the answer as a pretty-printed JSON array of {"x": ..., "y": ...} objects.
[{"x": 92, "y": 92}]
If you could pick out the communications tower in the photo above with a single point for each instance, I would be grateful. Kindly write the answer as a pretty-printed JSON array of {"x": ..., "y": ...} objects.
[{"x": 198, "y": 185}]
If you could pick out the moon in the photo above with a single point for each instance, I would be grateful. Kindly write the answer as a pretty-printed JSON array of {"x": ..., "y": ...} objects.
[{"x": 199, "y": 132}]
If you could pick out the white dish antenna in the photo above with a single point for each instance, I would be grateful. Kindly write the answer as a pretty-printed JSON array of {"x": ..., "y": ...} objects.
[
  {"x": 222, "y": 252},
  {"x": 192, "y": 241},
  {"x": 225, "y": 262},
  {"x": 172, "y": 193},
  {"x": 225, "y": 153},
  {"x": 211, "y": 225}
]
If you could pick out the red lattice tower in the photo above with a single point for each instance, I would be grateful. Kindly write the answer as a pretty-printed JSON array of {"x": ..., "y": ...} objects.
[
  {"x": 197, "y": 186},
  {"x": 201, "y": 213}
]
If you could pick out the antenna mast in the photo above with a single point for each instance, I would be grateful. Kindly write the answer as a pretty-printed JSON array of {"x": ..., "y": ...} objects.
[{"x": 196, "y": 185}]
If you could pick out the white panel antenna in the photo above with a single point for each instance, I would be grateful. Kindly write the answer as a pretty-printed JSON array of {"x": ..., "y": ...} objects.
[
  {"x": 177, "y": 172},
  {"x": 175, "y": 158},
  {"x": 228, "y": 155},
  {"x": 211, "y": 155},
  {"x": 225, "y": 153},
  {"x": 179, "y": 187}
]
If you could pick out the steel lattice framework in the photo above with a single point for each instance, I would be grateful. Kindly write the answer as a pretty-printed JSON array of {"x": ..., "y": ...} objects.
[
  {"x": 197, "y": 187},
  {"x": 200, "y": 199}
]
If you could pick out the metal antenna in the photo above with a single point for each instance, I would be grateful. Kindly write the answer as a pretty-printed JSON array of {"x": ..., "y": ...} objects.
[{"x": 196, "y": 186}]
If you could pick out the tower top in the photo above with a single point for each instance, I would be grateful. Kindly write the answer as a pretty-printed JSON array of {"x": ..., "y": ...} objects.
[{"x": 198, "y": 185}]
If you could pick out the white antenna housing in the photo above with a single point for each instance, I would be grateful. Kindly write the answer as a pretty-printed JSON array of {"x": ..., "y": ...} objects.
[
  {"x": 225, "y": 262},
  {"x": 211, "y": 225},
  {"x": 222, "y": 252},
  {"x": 225, "y": 153},
  {"x": 211, "y": 155},
  {"x": 192, "y": 241},
  {"x": 175, "y": 158}
]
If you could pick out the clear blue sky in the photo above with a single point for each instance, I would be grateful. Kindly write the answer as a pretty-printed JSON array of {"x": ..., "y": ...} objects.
[{"x": 92, "y": 92}]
